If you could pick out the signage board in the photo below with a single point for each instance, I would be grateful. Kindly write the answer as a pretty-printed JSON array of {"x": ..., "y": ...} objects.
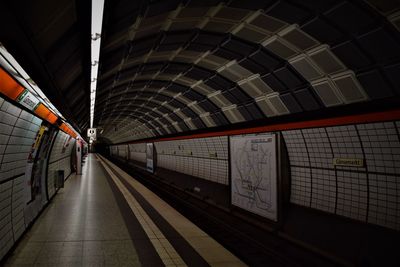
[
  {"x": 253, "y": 163},
  {"x": 348, "y": 162},
  {"x": 92, "y": 134},
  {"x": 28, "y": 100}
]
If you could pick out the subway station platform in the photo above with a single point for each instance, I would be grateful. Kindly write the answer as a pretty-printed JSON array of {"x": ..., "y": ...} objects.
[
  {"x": 104, "y": 217},
  {"x": 214, "y": 133}
]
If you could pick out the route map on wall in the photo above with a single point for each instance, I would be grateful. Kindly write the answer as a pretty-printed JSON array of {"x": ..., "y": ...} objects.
[{"x": 253, "y": 174}]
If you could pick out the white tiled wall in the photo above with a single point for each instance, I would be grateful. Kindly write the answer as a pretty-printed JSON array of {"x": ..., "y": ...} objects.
[
  {"x": 123, "y": 151},
  {"x": 206, "y": 158},
  {"x": 114, "y": 150},
  {"x": 370, "y": 193},
  {"x": 345, "y": 135},
  {"x": 17, "y": 134},
  {"x": 352, "y": 195},
  {"x": 137, "y": 152},
  {"x": 59, "y": 160},
  {"x": 300, "y": 186},
  {"x": 18, "y": 130},
  {"x": 323, "y": 190},
  {"x": 61, "y": 140},
  {"x": 318, "y": 146},
  {"x": 381, "y": 147},
  {"x": 384, "y": 200},
  {"x": 6, "y": 233},
  {"x": 18, "y": 207}
]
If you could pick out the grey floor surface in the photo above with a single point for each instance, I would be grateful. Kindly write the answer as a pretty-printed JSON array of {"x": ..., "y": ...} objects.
[{"x": 82, "y": 226}]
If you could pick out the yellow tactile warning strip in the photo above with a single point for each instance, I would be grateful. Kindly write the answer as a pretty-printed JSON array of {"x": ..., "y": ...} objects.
[
  {"x": 213, "y": 252},
  {"x": 165, "y": 250}
]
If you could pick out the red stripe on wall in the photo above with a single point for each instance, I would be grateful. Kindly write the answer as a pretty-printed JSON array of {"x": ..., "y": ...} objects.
[{"x": 344, "y": 120}]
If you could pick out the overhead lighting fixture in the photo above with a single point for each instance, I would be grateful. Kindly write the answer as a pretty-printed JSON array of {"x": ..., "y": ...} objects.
[{"x": 97, "y": 21}]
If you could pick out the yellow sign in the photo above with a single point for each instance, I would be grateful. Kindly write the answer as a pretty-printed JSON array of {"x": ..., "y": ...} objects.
[
  {"x": 36, "y": 144},
  {"x": 348, "y": 162},
  {"x": 39, "y": 137}
]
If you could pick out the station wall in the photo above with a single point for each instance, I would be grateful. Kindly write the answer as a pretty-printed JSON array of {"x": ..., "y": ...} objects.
[
  {"x": 369, "y": 193},
  {"x": 206, "y": 158},
  {"x": 18, "y": 131},
  {"x": 138, "y": 152},
  {"x": 60, "y": 159}
]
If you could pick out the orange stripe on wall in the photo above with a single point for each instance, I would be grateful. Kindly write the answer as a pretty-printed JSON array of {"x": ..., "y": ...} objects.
[
  {"x": 8, "y": 86},
  {"x": 43, "y": 112},
  {"x": 68, "y": 130},
  {"x": 52, "y": 118},
  {"x": 64, "y": 127},
  {"x": 12, "y": 89}
]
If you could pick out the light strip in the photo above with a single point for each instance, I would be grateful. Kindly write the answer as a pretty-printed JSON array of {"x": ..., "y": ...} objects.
[{"x": 97, "y": 21}]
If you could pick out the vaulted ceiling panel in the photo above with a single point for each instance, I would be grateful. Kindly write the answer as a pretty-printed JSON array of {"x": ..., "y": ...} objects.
[{"x": 172, "y": 66}]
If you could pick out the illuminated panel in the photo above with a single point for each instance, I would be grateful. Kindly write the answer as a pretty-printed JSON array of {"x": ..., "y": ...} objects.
[
  {"x": 65, "y": 128},
  {"x": 44, "y": 113},
  {"x": 97, "y": 21},
  {"x": 8, "y": 86}
]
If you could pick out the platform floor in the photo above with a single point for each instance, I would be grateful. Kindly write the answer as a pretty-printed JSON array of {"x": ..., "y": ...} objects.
[{"x": 104, "y": 217}]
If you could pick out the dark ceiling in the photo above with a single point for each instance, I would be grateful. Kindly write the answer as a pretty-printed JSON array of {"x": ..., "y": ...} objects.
[
  {"x": 51, "y": 41},
  {"x": 168, "y": 67}
]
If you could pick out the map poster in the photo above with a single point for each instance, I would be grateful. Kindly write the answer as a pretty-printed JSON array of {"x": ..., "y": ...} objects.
[
  {"x": 254, "y": 183},
  {"x": 149, "y": 157}
]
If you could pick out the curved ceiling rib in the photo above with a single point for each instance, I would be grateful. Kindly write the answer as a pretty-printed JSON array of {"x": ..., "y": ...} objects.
[
  {"x": 233, "y": 62},
  {"x": 158, "y": 110}
]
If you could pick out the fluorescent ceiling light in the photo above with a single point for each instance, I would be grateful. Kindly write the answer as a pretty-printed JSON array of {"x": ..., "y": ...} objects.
[{"x": 97, "y": 21}]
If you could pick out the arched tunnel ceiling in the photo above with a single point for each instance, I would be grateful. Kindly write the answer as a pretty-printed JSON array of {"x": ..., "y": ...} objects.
[{"x": 174, "y": 66}]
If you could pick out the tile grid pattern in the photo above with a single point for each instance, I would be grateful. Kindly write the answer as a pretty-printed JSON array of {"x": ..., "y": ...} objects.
[
  {"x": 123, "y": 151},
  {"x": 206, "y": 158},
  {"x": 18, "y": 130},
  {"x": 60, "y": 159},
  {"x": 323, "y": 180},
  {"x": 301, "y": 175},
  {"x": 17, "y": 133},
  {"x": 137, "y": 152},
  {"x": 17, "y": 207},
  {"x": 369, "y": 194},
  {"x": 7, "y": 238},
  {"x": 318, "y": 184},
  {"x": 382, "y": 151}
]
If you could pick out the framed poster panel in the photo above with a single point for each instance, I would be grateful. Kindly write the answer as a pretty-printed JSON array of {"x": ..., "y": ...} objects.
[
  {"x": 254, "y": 175},
  {"x": 150, "y": 157}
]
